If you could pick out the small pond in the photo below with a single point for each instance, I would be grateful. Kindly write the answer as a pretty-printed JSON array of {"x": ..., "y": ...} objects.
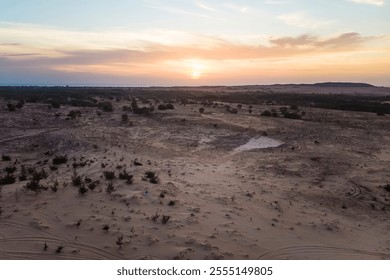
[{"x": 261, "y": 142}]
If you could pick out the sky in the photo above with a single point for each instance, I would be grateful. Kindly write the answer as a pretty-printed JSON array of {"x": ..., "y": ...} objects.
[{"x": 193, "y": 42}]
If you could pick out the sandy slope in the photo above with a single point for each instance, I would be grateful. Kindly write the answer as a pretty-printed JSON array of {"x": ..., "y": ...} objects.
[{"x": 302, "y": 200}]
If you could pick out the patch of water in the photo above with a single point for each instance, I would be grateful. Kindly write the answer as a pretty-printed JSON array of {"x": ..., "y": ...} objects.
[{"x": 261, "y": 142}]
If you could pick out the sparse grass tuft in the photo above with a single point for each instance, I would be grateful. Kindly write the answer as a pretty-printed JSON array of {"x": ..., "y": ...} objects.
[
  {"x": 77, "y": 180},
  {"x": 151, "y": 176},
  {"x": 53, "y": 168},
  {"x": 34, "y": 186},
  {"x": 87, "y": 180},
  {"x": 7, "y": 180},
  {"x": 60, "y": 159},
  {"x": 155, "y": 217},
  {"x": 39, "y": 175},
  {"x": 154, "y": 180},
  {"x": 54, "y": 188},
  {"x": 109, "y": 175},
  {"x": 125, "y": 118},
  {"x": 5, "y": 158},
  {"x": 165, "y": 219},
  {"x": 130, "y": 180},
  {"x": 10, "y": 169},
  {"x": 110, "y": 187},
  {"x": 119, "y": 240},
  {"x": 78, "y": 223},
  {"x": 124, "y": 175},
  {"x": 23, "y": 174},
  {"x": 82, "y": 189},
  {"x": 93, "y": 185},
  {"x": 59, "y": 249},
  {"x": 31, "y": 170}
]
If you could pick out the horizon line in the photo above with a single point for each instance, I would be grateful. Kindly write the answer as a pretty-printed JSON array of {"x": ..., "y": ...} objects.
[{"x": 188, "y": 86}]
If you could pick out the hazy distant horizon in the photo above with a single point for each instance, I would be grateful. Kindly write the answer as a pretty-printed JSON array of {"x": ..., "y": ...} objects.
[{"x": 177, "y": 85}]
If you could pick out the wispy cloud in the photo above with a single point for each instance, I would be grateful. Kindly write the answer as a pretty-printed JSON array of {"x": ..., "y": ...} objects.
[
  {"x": 162, "y": 53},
  {"x": 346, "y": 41},
  {"x": 369, "y": 2},
  {"x": 276, "y": 2},
  {"x": 204, "y": 6},
  {"x": 303, "y": 20},
  {"x": 172, "y": 9},
  {"x": 144, "y": 47},
  {"x": 237, "y": 8},
  {"x": 16, "y": 36}
]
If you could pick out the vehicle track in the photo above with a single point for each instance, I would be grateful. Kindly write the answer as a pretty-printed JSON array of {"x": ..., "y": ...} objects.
[
  {"x": 26, "y": 135},
  {"x": 320, "y": 252},
  {"x": 356, "y": 190},
  {"x": 96, "y": 252}
]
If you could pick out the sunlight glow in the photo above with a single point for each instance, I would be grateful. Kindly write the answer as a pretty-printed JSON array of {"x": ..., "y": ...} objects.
[{"x": 196, "y": 69}]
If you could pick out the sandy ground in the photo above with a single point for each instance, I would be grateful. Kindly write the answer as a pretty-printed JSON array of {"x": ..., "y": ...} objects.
[{"x": 320, "y": 195}]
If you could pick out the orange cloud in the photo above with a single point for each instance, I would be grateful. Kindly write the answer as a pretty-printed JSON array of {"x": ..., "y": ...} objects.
[{"x": 348, "y": 54}]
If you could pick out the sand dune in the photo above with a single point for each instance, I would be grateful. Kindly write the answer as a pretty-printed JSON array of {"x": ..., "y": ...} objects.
[{"x": 319, "y": 194}]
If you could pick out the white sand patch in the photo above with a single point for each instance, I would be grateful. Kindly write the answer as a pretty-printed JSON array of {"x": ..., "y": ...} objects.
[{"x": 259, "y": 143}]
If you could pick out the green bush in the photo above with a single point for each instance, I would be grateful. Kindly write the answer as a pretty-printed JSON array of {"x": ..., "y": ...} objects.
[
  {"x": 7, "y": 180},
  {"x": 125, "y": 118},
  {"x": 19, "y": 105},
  {"x": 56, "y": 105},
  {"x": 74, "y": 113},
  {"x": 266, "y": 113},
  {"x": 163, "y": 107},
  {"x": 106, "y": 106},
  {"x": 5, "y": 158},
  {"x": 11, "y": 107},
  {"x": 34, "y": 186},
  {"x": 39, "y": 175},
  {"x": 60, "y": 159},
  {"x": 294, "y": 116}
]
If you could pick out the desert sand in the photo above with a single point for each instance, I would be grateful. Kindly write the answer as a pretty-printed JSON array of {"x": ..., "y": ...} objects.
[{"x": 235, "y": 186}]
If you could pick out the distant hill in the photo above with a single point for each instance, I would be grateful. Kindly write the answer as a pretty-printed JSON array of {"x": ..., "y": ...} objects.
[{"x": 342, "y": 84}]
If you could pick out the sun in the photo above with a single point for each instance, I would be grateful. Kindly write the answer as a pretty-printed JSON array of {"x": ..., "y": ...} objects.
[{"x": 196, "y": 69}]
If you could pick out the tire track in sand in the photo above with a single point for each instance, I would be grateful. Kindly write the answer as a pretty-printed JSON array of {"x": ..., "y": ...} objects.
[
  {"x": 95, "y": 251},
  {"x": 320, "y": 252}
]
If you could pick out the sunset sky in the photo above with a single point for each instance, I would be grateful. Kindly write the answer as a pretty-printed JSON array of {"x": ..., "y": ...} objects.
[{"x": 194, "y": 42}]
